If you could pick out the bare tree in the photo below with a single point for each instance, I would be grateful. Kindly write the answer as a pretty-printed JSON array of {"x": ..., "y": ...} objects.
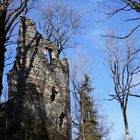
[
  {"x": 10, "y": 10},
  {"x": 128, "y": 7},
  {"x": 60, "y": 23},
  {"x": 124, "y": 67}
]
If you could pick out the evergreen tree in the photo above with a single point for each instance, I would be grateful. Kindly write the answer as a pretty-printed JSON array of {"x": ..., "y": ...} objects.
[
  {"x": 86, "y": 114},
  {"x": 88, "y": 124}
]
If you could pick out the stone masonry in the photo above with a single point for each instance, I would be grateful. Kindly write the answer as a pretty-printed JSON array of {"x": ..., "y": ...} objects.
[{"x": 39, "y": 105}]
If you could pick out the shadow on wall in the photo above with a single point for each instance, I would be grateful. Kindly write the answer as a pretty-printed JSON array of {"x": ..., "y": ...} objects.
[{"x": 24, "y": 116}]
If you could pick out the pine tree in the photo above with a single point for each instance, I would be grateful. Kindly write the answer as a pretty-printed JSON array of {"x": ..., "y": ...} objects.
[
  {"x": 86, "y": 115},
  {"x": 88, "y": 125}
]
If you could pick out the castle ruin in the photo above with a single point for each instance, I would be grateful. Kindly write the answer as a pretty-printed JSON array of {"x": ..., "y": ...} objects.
[{"x": 39, "y": 104}]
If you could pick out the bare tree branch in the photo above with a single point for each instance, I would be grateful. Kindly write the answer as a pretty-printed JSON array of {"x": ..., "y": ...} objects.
[
  {"x": 123, "y": 62},
  {"x": 134, "y": 95},
  {"x": 123, "y": 37},
  {"x": 122, "y": 6},
  {"x": 59, "y": 23},
  {"x": 10, "y": 10}
]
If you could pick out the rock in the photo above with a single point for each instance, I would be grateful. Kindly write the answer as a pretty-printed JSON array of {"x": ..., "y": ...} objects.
[{"x": 39, "y": 102}]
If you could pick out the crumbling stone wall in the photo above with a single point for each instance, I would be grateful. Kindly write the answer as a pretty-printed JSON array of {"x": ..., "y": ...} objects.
[{"x": 39, "y": 103}]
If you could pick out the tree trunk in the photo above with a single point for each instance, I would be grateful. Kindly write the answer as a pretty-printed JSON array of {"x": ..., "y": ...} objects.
[
  {"x": 127, "y": 136},
  {"x": 2, "y": 47},
  {"x": 82, "y": 117}
]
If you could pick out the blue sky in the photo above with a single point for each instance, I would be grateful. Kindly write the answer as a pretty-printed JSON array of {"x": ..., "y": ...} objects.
[{"x": 92, "y": 46}]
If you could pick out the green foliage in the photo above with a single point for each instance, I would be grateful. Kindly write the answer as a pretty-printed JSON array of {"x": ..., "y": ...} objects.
[
  {"x": 88, "y": 113},
  {"x": 85, "y": 85},
  {"x": 48, "y": 42}
]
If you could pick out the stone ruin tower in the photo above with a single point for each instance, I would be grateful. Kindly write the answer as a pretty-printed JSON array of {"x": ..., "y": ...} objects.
[{"x": 39, "y": 103}]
